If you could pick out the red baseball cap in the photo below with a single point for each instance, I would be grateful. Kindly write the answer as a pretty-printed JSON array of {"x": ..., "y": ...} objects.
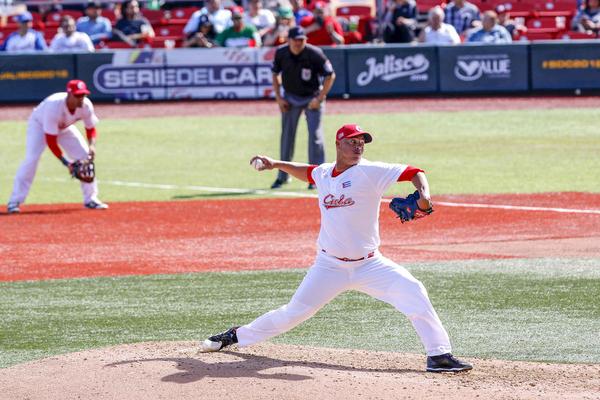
[
  {"x": 352, "y": 130},
  {"x": 77, "y": 87}
]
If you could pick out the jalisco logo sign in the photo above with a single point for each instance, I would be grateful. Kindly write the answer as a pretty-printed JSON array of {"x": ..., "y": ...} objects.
[
  {"x": 473, "y": 67},
  {"x": 123, "y": 78},
  {"x": 392, "y": 67}
]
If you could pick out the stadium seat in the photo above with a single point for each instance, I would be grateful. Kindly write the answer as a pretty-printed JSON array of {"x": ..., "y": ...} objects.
[
  {"x": 154, "y": 16},
  {"x": 159, "y": 41},
  {"x": 53, "y": 18},
  {"x": 110, "y": 14},
  {"x": 557, "y": 23},
  {"x": 515, "y": 9},
  {"x": 169, "y": 30},
  {"x": 533, "y": 34},
  {"x": 179, "y": 16},
  {"x": 577, "y": 36},
  {"x": 353, "y": 7}
]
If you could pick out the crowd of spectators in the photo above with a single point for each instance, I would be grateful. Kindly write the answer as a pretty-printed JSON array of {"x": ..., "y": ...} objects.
[{"x": 266, "y": 23}]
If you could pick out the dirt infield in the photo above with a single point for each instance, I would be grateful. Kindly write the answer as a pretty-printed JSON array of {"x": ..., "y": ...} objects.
[
  {"x": 334, "y": 106},
  {"x": 173, "y": 370},
  {"x": 184, "y": 236},
  {"x": 192, "y": 236}
]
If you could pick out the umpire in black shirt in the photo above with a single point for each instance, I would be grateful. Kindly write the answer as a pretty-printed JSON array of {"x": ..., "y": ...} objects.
[{"x": 300, "y": 68}]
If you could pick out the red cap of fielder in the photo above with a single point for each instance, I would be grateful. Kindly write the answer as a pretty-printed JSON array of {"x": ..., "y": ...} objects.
[
  {"x": 352, "y": 130},
  {"x": 77, "y": 87}
]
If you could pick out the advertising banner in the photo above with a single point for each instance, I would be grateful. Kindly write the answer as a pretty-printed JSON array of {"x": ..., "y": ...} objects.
[
  {"x": 221, "y": 73},
  {"x": 392, "y": 69},
  {"x": 85, "y": 66},
  {"x": 32, "y": 77},
  {"x": 484, "y": 68},
  {"x": 137, "y": 74},
  {"x": 565, "y": 66}
]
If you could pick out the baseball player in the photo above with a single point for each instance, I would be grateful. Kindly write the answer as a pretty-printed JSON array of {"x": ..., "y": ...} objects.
[
  {"x": 350, "y": 191},
  {"x": 52, "y": 123}
]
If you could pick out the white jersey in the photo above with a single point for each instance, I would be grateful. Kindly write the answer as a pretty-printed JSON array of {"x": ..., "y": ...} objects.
[
  {"x": 349, "y": 205},
  {"x": 78, "y": 41},
  {"x": 53, "y": 116},
  {"x": 445, "y": 35}
]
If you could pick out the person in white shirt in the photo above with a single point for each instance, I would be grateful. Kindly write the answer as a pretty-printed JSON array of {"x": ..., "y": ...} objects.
[
  {"x": 436, "y": 31},
  {"x": 24, "y": 39},
  {"x": 68, "y": 39},
  {"x": 348, "y": 258},
  {"x": 52, "y": 124},
  {"x": 262, "y": 19},
  {"x": 218, "y": 16}
]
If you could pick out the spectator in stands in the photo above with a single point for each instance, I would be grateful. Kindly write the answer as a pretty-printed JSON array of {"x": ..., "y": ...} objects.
[
  {"x": 132, "y": 27},
  {"x": 205, "y": 37},
  {"x": 322, "y": 29},
  {"x": 239, "y": 34},
  {"x": 300, "y": 12},
  {"x": 97, "y": 27},
  {"x": 262, "y": 19},
  {"x": 462, "y": 15},
  {"x": 509, "y": 24},
  {"x": 436, "y": 31},
  {"x": 25, "y": 38},
  {"x": 588, "y": 18},
  {"x": 279, "y": 34},
  {"x": 490, "y": 31},
  {"x": 400, "y": 22},
  {"x": 68, "y": 39},
  {"x": 218, "y": 16}
]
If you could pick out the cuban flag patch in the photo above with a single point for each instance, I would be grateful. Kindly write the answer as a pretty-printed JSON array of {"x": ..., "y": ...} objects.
[{"x": 346, "y": 184}]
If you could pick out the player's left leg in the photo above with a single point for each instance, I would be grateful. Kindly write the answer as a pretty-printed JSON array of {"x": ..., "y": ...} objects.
[
  {"x": 385, "y": 280},
  {"x": 71, "y": 140}
]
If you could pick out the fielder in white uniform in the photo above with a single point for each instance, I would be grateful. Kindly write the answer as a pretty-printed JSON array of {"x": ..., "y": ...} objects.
[
  {"x": 348, "y": 258},
  {"x": 52, "y": 123}
]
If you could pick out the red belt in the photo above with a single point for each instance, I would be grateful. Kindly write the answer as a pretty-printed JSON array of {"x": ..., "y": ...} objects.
[{"x": 346, "y": 259}]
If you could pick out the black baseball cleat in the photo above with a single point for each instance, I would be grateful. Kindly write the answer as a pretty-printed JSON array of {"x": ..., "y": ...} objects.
[
  {"x": 312, "y": 186},
  {"x": 280, "y": 182},
  {"x": 96, "y": 205},
  {"x": 13, "y": 207},
  {"x": 446, "y": 363},
  {"x": 220, "y": 340}
]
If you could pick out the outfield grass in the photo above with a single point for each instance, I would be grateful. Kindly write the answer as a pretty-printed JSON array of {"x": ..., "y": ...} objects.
[
  {"x": 542, "y": 310},
  {"x": 521, "y": 151}
]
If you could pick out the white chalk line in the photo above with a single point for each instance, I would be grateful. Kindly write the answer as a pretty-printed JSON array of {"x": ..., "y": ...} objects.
[{"x": 212, "y": 189}]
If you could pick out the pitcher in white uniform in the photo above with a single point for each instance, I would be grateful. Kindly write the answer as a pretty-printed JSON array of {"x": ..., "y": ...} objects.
[
  {"x": 52, "y": 123},
  {"x": 348, "y": 258}
]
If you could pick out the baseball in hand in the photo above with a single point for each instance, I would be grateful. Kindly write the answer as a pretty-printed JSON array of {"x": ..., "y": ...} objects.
[{"x": 258, "y": 164}]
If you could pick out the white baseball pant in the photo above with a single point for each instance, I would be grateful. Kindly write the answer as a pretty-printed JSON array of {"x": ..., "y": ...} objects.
[
  {"x": 70, "y": 140},
  {"x": 378, "y": 277}
]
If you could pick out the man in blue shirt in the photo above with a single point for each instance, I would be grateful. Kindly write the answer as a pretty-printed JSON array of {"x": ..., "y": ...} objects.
[
  {"x": 96, "y": 26},
  {"x": 490, "y": 32},
  {"x": 462, "y": 15},
  {"x": 24, "y": 39}
]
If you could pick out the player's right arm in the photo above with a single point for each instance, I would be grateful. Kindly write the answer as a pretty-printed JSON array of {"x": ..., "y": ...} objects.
[
  {"x": 298, "y": 170},
  {"x": 52, "y": 142}
]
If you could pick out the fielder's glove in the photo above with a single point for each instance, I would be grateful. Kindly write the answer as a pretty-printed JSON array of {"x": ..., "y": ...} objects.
[
  {"x": 84, "y": 170},
  {"x": 407, "y": 208}
]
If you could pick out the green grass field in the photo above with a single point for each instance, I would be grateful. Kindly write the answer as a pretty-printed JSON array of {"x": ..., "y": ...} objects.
[
  {"x": 462, "y": 152},
  {"x": 535, "y": 309}
]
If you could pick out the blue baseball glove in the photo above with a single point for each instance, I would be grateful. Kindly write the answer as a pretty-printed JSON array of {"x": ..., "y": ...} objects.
[{"x": 407, "y": 208}]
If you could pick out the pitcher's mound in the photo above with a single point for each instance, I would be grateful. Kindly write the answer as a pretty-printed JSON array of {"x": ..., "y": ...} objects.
[{"x": 173, "y": 370}]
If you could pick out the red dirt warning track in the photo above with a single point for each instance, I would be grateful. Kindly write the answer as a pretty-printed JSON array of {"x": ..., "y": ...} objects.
[{"x": 229, "y": 235}]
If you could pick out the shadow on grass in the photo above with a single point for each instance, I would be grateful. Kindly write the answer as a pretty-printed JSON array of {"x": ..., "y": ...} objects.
[
  {"x": 251, "y": 366},
  {"x": 209, "y": 195}
]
